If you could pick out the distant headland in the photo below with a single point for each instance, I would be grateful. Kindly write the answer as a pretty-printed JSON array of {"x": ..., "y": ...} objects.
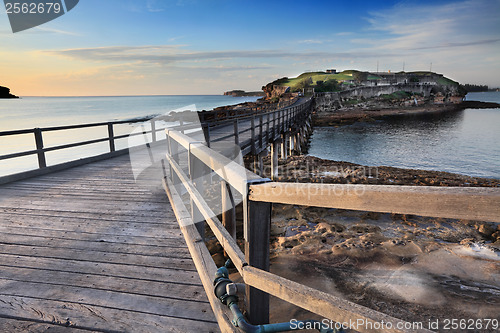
[
  {"x": 242, "y": 93},
  {"x": 5, "y": 93}
]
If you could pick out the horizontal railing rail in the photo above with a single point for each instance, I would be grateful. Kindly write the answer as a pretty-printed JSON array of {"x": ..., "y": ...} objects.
[{"x": 469, "y": 203}]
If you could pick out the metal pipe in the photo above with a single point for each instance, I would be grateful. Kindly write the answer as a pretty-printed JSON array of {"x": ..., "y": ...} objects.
[
  {"x": 221, "y": 283},
  {"x": 240, "y": 321}
]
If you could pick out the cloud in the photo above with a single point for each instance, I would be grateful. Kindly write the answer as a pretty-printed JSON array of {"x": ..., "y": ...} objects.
[
  {"x": 169, "y": 54},
  {"x": 310, "y": 41},
  {"x": 459, "y": 44},
  {"x": 344, "y": 33},
  {"x": 56, "y": 31},
  {"x": 455, "y": 37},
  {"x": 410, "y": 26}
]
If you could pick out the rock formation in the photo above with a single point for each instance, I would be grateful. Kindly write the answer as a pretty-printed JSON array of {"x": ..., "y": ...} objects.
[
  {"x": 272, "y": 90},
  {"x": 5, "y": 93}
]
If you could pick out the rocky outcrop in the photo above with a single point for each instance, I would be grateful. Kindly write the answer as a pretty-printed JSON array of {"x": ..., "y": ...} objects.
[
  {"x": 272, "y": 90},
  {"x": 5, "y": 93},
  {"x": 242, "y": 93}
]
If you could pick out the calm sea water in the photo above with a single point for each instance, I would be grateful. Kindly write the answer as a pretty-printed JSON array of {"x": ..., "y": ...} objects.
[
  {"x": 32, "y": 112},
  {"x": 465, "y": 142}
]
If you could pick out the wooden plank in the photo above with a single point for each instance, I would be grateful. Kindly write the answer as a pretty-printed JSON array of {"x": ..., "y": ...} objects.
[
  {"x": 201, "y": 256},
  {"x": 180, "y": 308},
  {"x": 162, "y": 289},
  {"x": 471, "y": 203},
  {"x": 321, "y": 303},
  {"x": 94, "y": 246},
  {"x": 80, "y": 216},
  {"x": 126, "y": 207},
  {"x": 95, "y": 226},
  {"x": 16, "y": 324},
  {"x": 94, "y": 229},
  {"x": 98, "y": 257},
  {"x": 153, "y": 274},
  {"x": 96, "y": 318},
  {"x": 95, "y": 237}
]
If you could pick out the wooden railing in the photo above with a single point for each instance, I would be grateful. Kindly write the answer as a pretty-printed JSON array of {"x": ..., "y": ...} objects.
[
  {"x": 253, "y": 132},
  {"x": 189, "y": 160},
  {"x": 41, "y": 149},
  {"x": 243, "y": 135}
]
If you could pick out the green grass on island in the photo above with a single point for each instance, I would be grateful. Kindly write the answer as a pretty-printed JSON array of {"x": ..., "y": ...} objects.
[{"x": 323, "y": 82}]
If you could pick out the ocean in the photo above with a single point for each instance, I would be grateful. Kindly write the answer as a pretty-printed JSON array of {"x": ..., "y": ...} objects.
[
  {"x": 33, "y": 112},
  {"x": 464, "y": 142}
]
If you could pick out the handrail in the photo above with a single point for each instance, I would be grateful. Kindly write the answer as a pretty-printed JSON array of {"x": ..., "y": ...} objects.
[{"x": 470, "y": 203}]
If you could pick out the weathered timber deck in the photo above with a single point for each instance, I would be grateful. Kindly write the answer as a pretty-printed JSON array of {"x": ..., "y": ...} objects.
[{"x": 89, "y": 249}]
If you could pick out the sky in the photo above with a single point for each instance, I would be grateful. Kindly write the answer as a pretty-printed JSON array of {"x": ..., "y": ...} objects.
[{"x": 187, "y": 47}]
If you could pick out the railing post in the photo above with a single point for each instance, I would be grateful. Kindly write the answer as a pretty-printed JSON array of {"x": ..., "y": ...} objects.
[
  {"x": 111, "y": 137},
  {"x": 206, "y": 132},
  {"x": 274, "y": 159},
  {"x": 274, "y": 126},
  {"x": 268, "y": 139},
  {"x": 42, "y": 163},
  {"x": 196, "y": 176},
  {"x": 261, "y": 120},
  {"x": 173, "y": 151},
  {"x": 153, "y": 130},
  {"x": 236, "y": 132},
  {"x": 258, "y": 222},
  {"x": 284, "y": 146},
  {"x": 252, "y": 131},
  {"x": 228, "y": 210}
]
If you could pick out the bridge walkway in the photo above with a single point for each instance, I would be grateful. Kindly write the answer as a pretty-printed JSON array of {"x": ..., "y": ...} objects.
[{"x": 87, "y": 248}]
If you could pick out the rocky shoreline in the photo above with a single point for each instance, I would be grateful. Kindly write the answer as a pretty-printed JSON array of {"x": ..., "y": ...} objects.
[
  {"x": 406, "y": 266},
  {"x": 350, "y": 115},
  {"x": 403, "y": 265}
]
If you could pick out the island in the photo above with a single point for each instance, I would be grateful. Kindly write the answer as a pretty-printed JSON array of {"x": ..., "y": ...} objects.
[
  {"x": 5, "y": 93},
  {"x": 351, "y": 95}
]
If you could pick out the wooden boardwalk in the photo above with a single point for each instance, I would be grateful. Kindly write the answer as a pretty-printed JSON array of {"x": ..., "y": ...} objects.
[{"x": 89, "y": 249}]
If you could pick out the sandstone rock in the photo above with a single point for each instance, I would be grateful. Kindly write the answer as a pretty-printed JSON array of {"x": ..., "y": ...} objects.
[{"x": 272, "y": 90}]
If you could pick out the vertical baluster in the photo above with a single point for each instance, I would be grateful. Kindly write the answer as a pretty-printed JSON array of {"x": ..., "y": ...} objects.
[{"x": 42, "y": 163}]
